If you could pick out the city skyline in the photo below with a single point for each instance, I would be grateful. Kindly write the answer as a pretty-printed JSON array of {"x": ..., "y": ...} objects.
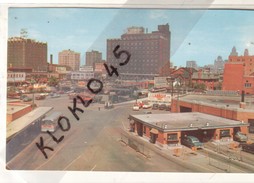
[{"x": 199, "y": 35}]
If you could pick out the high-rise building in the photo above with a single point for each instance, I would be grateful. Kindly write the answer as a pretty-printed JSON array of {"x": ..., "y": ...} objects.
[
  {"x": 191, "y": 64},
  {"x": 149, "y": 52},
  {"x": 219, "y": 65},
  {"x": 69, "y": 58},
  {"x": 93, "y": 57},
  {"x": 27, "y": 53},
  {"x": 239, "y": 74}
]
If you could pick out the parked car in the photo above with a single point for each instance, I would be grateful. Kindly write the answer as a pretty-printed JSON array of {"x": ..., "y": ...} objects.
[
  {"x": 240, "y": 137},
  {"x": 155, "y": 106},
  {"x": 55, "y": 95},
  {"x": 40, "y": 97},
  {"x": 162, "y": 106},
  {"x": 248, "y": 148},
  {"x": 27, "y": 99},
  {"x": 135, "y": 107},
  {"x": 191, "y": 141},
  {"x": 22, "y": 97},
  {"x": 147, "y": 106},
  {"x": 168, "y": 108}
]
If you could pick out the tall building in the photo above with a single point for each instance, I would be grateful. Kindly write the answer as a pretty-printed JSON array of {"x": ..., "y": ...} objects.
[
  {"x": 219, "y": 65},
  {"x": 191, "y": 64},
  {"x": 239, "y": 74},
  {"x": 69, "y": 58},
  {"x": 149, "y": 52},
  {"x": 234, "y": 52},
  {"x": 93, "y": 57},
  {"x": 27, "y": 53}
]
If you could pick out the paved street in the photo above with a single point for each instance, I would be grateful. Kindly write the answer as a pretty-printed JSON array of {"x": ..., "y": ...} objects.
[{"x": 92, "y": 143}]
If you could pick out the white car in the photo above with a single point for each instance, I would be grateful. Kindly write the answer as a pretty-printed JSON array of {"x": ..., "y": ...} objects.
[
  {"x": 147, "y": 106},
  {"x": 135, "y": 107}
]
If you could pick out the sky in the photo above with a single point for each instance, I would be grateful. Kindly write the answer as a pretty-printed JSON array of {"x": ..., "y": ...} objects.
[{"x": 200, "y": 35}]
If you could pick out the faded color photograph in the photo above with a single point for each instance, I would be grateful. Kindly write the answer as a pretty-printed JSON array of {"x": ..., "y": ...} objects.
[{"x": 130, "y": 90}]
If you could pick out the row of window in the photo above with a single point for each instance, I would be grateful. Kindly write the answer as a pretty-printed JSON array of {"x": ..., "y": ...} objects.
[
  {"x": 16, "y": 75},
  {"x": 170, "y": 136}
]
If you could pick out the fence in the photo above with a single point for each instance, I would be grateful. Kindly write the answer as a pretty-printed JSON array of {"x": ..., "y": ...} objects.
[
  {"x": 137, "y": 146},
  {"x": 223, "y": 93}
]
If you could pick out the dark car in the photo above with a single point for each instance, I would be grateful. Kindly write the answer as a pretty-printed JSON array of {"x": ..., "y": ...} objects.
[
  {"x": 22, "y": 97},
  {"x": 240, "y": 137},
  {"x": 155, "y": 106},
  {"x": 40, "y": 97},
  {"x": 27, "y": 99},
  {"x": 191, "y": 141},
  {"x": 162, "y": 106},
  {"x": 248, "y": 148}
]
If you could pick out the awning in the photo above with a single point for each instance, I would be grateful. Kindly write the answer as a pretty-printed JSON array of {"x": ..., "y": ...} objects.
[{"x": 154, "y": 131}]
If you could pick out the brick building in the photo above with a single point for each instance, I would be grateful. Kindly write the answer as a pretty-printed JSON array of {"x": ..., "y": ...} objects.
[
  {"x": 168, "y": 129},
  {"x": 93, "y": 57},
  {"x": 222, "y": 106},
  {"x": 69, "y": 58},
  {"x": 208, "y": 79},
  {"x": 149, "y": 52},
  {"x": 27, "y": 53},
  {"x": 239, "y": 73}
]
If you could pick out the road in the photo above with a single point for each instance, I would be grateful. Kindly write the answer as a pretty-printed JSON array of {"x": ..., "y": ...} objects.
[{"x": 91, "y": 144}]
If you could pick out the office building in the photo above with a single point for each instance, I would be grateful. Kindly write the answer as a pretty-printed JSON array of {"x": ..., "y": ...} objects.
[
  {"x": 93, "y": 57},
  {"x": 149, "y": 52},
  {"x": 69, "y": 58},
  {"x": 27, "y": 53}
]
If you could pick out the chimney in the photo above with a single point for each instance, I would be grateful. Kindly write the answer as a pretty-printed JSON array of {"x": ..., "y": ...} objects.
[{"x": 51, "y": 59}]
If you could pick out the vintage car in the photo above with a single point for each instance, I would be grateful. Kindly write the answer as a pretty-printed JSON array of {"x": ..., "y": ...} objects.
[
  {"x": 248, "y": 148},
  {"x": 191, "y": 141}
]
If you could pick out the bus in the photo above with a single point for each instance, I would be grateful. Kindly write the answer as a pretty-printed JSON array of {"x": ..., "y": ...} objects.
[{"x": 49, "y": 123}]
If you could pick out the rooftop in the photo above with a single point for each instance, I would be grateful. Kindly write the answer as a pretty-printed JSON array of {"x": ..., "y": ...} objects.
[
  {"x": 230, "y": 102},
  {"x": 186, "y": 121},
  {"x": 15, "y": 107},
  {"x": 22, "y": 122}
]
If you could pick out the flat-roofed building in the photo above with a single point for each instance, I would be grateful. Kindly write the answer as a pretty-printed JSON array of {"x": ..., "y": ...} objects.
[
  {"x": 69, "y": 58},
  {"x": 27, "y": 53},
  {"x": 168, "y": 129},
  {"x": 149, "y": 52}
]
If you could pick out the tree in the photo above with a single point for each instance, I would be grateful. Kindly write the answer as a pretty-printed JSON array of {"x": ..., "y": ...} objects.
[{"x": 53, "y": 81}]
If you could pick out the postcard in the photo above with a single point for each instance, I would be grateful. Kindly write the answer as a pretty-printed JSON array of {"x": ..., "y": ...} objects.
[{"x": 130, "y": 90}]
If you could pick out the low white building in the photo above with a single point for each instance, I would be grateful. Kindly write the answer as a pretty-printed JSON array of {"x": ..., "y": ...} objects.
[
  {"x": 81, "y": 75},
  {"x": 13, "y": 77}
]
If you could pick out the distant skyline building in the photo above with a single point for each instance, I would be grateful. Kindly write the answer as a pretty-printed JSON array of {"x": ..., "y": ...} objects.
[
  {"x": 191, "y": 64},
  {"x": 234, "y": 52},
  {"x": 149, "y": 52},
  {"x": 27, "y": 53},
  {"x": 219, "y": 65},
  {"x": 69, "y": 58},
  {"x": 93, "y": 57}
]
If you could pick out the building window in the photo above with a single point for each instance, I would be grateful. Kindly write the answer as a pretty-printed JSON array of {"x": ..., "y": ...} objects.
[
  {"x": 225, "y": 133},
  {"x": 247, "y": 85},
  {"x": 144, "y": 130},
  {"x": 172, "y": 137}
]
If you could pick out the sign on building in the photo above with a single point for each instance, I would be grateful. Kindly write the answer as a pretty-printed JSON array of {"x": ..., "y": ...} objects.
[
  {"x": 160, "y": 82},
  {"x": 159, "y": 97}
]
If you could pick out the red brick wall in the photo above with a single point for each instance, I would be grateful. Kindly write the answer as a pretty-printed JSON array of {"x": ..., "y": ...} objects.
[
  {"x": 18, "y": 114},
  {"x": 240, "y": 114},
  {"x": 233, "y": 77}
]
